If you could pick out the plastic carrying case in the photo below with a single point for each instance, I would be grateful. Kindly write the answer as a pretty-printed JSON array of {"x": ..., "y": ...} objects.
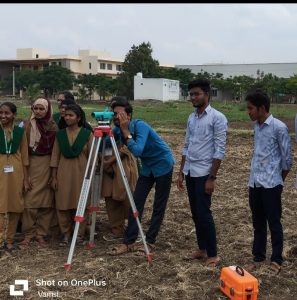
[{"x": 238, "y": 284}]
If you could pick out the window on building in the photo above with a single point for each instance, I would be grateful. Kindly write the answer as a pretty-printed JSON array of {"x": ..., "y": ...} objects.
[
  {"x": 35, "y": 68},
  {"x": 53, "y": 63},
  {"x": 60, "y": 64},
  {"x": 90, "y": 65},
  {"x": 45, "y": 66},
  {"x": 109, "y": 66},
  {"x": 37, "y": 55},
  {"x": 102, "y": 66},
  {"x": 119, "y": 68}
]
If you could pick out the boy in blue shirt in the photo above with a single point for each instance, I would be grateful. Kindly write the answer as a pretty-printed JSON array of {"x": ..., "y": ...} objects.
[
  {"x": 157, "y": 166},
  {"x": 271, "y": 163}
]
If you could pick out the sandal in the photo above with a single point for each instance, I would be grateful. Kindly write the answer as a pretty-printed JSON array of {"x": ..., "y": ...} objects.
[
  {"x": 42, "y": 243},
  {"x": 121, "y": 249},
  {"x": 24, "y": 244},
  {"x": 64, "y": 242},
  {"x": 140, "y": 251},
  {"x": 80, "y": 240},
  {"x": 212, "y": 262},
  {"x": 10, "y": 248},
  {"x": 274, "y": 268},
  {"x": 198, "y": 254}
]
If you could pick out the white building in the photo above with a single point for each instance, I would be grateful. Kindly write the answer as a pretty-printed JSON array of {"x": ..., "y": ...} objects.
[
  {"x": 155, "y": 88},
  {"x": 284, "y": 70}
]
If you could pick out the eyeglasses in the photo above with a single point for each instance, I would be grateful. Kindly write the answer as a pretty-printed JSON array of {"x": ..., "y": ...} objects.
[
  {"x": 195, "y": 94},
  {"x": 60, "y": 99}
]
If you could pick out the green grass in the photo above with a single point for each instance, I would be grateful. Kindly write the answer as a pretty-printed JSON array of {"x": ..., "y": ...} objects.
[{"x": 172, "y": 115}]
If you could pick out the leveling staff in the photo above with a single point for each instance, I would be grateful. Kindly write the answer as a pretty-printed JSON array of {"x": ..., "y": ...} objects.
[{"x": 157, "y": 166}]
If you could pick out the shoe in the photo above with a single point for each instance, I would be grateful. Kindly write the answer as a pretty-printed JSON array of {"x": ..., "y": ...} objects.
[
  {"x": 110, "y": 237},
  {"x": 24, "y": 244},
  {"x": 139, "y": 239},
  {"x": 212, "y": 262},
  {"x": 198, "y": 254},
  {"x": 42, "y": 243},
  {"x": 121, "y": 249},
  {"x": 65, "y": 242},
  {"x": 274, "y": 268}
]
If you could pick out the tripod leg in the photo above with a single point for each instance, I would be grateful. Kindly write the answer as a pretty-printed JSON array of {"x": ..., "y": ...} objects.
[
  {"x": 97, "y": 184},
  {"x": 83, "y": 196},
  {"x": 130, "y": 196}
]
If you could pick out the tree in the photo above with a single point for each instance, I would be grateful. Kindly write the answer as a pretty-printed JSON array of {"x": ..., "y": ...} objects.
[
  {"x": 23, "y": 80},
  {"x": 56, "y": 78},
  {"x": 88, "y": 82},
  {"x": 138, "y": 59}
]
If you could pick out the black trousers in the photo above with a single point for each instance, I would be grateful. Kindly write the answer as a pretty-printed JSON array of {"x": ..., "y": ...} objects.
[
  {"x": 143, "y": 186},
  {"x": 200, "y": 203},
  {"x": 266, "y": 207}
]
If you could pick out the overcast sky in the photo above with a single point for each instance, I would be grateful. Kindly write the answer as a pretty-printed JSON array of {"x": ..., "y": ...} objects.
[{"x": 178, "y": 33}]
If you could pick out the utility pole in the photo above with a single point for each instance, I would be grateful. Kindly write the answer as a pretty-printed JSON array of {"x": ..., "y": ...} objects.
[{"x": 13, "y": 82}]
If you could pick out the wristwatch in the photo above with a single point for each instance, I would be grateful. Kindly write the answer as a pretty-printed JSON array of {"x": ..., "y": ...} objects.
[
  {"x": 212, "y": 177},
  {"x": 129, "y": 136}
]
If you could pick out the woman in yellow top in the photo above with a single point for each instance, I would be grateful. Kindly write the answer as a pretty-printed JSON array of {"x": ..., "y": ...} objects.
[
  {"x": 13, "y": 174},
  {"x": 40, "y": 130},
  {"x": 69, "y": 160}
]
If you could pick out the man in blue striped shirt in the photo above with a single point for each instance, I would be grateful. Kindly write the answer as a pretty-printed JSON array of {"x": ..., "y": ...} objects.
[
  {"x": 203, "y": 152},
  {"x": 271, "y": 163}
]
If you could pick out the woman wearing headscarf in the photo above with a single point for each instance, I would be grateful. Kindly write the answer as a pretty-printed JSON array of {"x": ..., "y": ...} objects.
[
  {"x": 69, "y": 160},
  {"x": 38, "y": 213}
]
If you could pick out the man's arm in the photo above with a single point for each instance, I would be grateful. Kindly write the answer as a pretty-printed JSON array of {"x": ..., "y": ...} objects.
[
  {"x": 220, "y": 138},
  {"x": 181, "y": 175},
  {"x": 284, "y": 142}
]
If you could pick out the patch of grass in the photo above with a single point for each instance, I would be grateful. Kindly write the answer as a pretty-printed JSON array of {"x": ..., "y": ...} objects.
[{"x": 173, "y": 114}]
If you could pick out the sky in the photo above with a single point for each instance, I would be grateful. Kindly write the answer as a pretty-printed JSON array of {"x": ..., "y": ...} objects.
[{"x": 180, "y": 34}]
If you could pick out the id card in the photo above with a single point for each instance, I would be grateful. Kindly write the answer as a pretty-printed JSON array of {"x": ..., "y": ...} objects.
[
  {"x": 108, "y": 152},
  {"x": 8, "y": 169}
]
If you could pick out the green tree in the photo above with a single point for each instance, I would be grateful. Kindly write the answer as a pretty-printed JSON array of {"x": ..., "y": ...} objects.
[
  {"x": 106, "y": 86},
  {"x": 88, "y": 82},
  {"x": 138, "y": 59},
  {"x": 23, "y": 79},
  {"x": 56, "y": 78}
]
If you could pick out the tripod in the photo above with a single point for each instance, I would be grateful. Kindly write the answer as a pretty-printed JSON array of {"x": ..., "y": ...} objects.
[{"x": 100, "y": 134}]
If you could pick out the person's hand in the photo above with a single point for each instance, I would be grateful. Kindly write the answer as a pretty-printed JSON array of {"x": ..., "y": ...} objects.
[
  {"x": 209, "y": 186},
  {"x": 26, "y": 186},
  {"x": 180, "y": 181},
  {"x": 54, "y": 184},
  {"x": 124, "y": 122},
  {"x": 107, "y": 163}
]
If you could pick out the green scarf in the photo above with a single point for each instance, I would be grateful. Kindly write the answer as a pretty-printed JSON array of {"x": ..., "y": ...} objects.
[
  {"x": 74, "y": 150},
  {"x": 16, "y": 141},
  {"x": 56, "y": 117}
]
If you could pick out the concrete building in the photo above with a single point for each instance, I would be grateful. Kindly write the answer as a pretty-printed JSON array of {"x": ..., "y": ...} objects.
[
  {"x": 284, "y": 70},
  {"x": 86, "y": 62},
  {"x": 155, "y": 88}
]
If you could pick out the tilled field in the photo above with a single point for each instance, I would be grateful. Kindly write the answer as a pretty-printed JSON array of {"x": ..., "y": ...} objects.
[{"x": 169, "y": 276}]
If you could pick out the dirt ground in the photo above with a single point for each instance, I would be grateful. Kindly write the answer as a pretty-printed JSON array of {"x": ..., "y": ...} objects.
[{"x": 168, "y": 276}]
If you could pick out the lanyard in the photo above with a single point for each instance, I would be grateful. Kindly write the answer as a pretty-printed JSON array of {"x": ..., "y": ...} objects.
[{"x": 8, "y": 150}]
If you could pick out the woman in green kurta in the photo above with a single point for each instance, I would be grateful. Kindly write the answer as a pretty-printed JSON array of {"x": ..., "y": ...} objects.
[
  {"x": 38, "y": 213},
  {"x": 13, "y": 173},
  {"x": 69, "y": 160}
]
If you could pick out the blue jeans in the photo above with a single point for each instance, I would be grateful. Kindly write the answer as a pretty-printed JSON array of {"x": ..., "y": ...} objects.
[
  {"x": 142, "y": 189},
  {"x": 200, "y": 203},
  {"x": 266, "y": 207}
]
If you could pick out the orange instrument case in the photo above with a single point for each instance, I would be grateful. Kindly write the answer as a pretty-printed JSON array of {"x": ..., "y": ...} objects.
[{"x": 238, "y": 284}]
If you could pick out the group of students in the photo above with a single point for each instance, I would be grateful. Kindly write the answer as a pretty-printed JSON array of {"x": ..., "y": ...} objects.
[
  {"x": 47, "y": 153},
  {"x": 44, "y": 160}
]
